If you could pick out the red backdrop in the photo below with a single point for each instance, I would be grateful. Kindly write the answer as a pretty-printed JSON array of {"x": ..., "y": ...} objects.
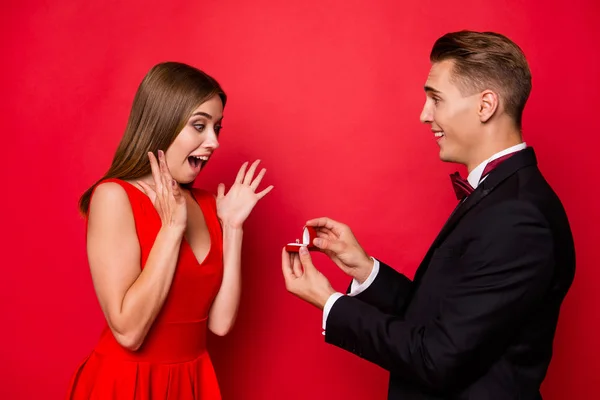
[{"x": 326, "y": 92}]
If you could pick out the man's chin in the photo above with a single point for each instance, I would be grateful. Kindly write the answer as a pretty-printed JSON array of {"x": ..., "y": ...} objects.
[{"x": 445, "y": 157}]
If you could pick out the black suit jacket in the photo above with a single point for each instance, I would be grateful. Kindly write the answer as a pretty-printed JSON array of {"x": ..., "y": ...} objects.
[{"x": 478, "y": 320}]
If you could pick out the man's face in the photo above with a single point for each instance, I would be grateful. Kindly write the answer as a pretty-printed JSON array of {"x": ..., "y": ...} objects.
[{"x": 453, "y": 117}]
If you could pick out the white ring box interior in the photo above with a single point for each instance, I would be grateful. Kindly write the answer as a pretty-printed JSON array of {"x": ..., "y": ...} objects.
[{"x": 308, "y": 235}]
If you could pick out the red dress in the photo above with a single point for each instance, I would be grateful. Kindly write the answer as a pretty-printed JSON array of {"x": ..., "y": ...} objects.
[{"x": 172, "y": 363}]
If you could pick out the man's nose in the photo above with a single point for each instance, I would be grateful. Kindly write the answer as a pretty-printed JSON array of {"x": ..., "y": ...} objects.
[{"x": 426, "y": 115}]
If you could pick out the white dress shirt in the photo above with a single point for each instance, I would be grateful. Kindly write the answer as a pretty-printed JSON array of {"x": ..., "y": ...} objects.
[{"x": 474, "y": 179}]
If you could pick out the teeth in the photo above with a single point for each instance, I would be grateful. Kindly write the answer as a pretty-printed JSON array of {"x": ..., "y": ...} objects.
[
  {"x": 439, "y": 134},
  {"x": 203, "y": 158}
]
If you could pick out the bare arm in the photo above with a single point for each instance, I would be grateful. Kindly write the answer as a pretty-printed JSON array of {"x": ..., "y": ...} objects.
[
  {"x": 130, "y": 297},
  {"x": 224, "y": 310},
  {"x": 233, "y": 209}
]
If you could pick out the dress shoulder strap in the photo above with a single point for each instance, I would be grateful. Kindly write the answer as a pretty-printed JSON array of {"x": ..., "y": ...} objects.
[
  {"x": 208, "y": 204},
  {"x": 133, "y": 193}
]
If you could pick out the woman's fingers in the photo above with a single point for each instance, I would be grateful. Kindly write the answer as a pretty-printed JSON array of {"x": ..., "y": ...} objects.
[
  {"x": 164, "y": 182},
  {"x": 148, "y": 190},
  {"x": 166, "y": 177},
  {"x": 155, "y": 171},
  {"x": 250, "y": 173},
  {"x": 264, "y": 192},
  {"x": 258, "y": 179},
  {"x": 221, "y": 191},
  {"x": 163, "y": 164},
  {"x": 177, "y": 194},
  {"x": 241, "y": 172}
]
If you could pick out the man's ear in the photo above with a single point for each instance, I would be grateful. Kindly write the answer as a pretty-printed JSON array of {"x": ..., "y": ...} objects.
[{"x": 488, "y": 105}]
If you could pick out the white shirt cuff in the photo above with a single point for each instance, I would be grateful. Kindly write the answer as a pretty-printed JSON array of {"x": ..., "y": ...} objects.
[
  {"x": 332, "y": 299},
  {"x": 357, "y": 288}
]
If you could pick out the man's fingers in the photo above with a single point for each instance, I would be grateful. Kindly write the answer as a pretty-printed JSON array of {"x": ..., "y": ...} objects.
[
  {"x": 306, "y": 259},
  {"x": 286, "y": 266},
  {"x": 332, "y": 245},
  {"x": 324, "y": 222},
  {"x": 325, "y": 233},
  {"x": 320, "y": 222},
  {"x": 296, "y": 266}
]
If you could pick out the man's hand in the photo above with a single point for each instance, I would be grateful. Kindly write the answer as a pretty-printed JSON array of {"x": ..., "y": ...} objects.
[
  {"x": 304, "y": 280},
  {"x": 337, "y": 241}
]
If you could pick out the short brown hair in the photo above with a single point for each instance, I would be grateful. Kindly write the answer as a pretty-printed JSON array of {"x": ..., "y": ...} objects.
[
  {"x": 487, "y": 60},
  {"x": 164, "y": 101}
]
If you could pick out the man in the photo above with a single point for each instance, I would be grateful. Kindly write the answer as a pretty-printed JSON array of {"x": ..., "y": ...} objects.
[{"x": 478, "y": 320}]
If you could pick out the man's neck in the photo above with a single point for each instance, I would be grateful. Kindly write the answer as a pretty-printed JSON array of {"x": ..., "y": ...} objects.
[
  {"x": 477, "y": 173},
  {"x": 503, "y": 142}
]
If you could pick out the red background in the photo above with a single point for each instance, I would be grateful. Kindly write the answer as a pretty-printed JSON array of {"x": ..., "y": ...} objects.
[{"x": 327, "y": 93}]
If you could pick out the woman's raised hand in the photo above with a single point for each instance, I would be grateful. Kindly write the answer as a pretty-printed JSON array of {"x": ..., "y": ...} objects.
[
  {"x": 165, "y": 194},
  {"x": 234, "y": 207}
]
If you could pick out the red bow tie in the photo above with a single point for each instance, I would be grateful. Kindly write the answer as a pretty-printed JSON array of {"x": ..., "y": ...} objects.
[{"x": 463, "y": 188}]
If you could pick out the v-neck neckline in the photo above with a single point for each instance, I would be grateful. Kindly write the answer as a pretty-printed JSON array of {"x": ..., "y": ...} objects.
[{"x": 183, "y": 239}]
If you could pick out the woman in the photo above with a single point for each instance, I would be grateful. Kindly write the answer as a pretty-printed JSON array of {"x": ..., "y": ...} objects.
[{"x": 164, "y": 257}]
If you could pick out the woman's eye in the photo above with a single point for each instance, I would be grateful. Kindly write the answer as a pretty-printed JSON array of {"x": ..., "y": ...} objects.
[
  {"x": 218, "y": 128},
  {"x": 199, "y": 127}
]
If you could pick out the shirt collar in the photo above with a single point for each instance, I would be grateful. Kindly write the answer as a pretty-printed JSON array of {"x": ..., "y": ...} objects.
[{"x": 475, "y": 177}]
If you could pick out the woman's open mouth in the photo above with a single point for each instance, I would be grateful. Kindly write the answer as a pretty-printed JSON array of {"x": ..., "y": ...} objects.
[{"x": 197, "y": 162}]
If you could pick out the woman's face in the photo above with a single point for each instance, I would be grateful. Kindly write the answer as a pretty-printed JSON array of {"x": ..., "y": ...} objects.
[{"x": 196, "y": 142}]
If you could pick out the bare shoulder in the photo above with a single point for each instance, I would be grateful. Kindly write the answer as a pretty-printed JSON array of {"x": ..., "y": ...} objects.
[
  {"x": 110, "y": 209},
  {"x": 109, "y": 197},
  {"x": 107, "y": 192},
  {"x": 112, "y": 241}
]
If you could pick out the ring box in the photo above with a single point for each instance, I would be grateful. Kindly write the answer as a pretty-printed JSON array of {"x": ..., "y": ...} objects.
[{"x": 308, "y": 235}]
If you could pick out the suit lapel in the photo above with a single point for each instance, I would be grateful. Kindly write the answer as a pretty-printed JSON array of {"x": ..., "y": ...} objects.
[
  {"x": 505, "y": 170},
  {"x": 471, "y": 201}
]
